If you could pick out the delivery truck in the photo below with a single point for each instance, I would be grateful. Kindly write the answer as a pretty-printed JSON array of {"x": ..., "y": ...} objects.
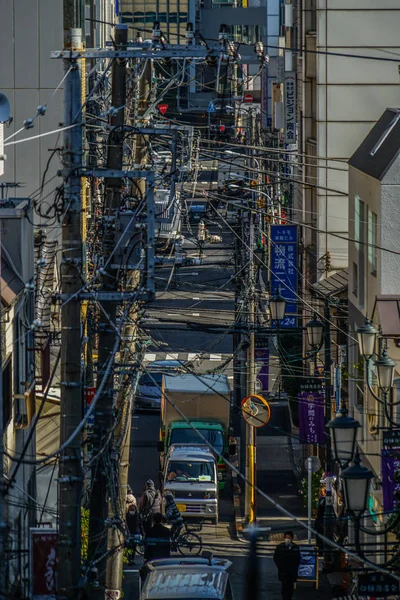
[{"x": 205, "y": 401}]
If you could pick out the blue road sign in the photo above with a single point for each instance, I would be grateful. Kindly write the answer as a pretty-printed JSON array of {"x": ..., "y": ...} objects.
[
  {"x": 284, "y": 272},
  {"x": 211, "y": 108}
]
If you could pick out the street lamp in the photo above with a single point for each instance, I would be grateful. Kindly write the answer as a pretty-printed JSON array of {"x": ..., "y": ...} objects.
[
  {"x": 366, "y": 339},
  {"x": 315, "y": 330},
  {"x": 277, "y": 307},
  {"x": 343, "y": 431},
  {"x": 385, "y": 371},
  {"x": 356, "y": 483}
]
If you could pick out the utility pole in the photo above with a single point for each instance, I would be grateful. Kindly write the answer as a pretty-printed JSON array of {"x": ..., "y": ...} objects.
[
  {"x": 104, "y": 418},
  {"x": 70, "y": 479},
  {"x": 250, "y": 493},
  {"x": 329, "y": 513}
]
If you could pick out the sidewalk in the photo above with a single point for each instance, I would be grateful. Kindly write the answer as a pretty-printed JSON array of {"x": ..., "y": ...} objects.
[{"x": 276, "y": 476}]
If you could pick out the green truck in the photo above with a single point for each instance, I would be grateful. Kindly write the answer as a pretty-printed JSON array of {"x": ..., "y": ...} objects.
[{"x": 205, "y": 400}]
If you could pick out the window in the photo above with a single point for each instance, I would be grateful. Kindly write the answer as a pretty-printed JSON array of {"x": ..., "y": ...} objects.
[
  {"x": 372, "y": 242},
  {"x": 355, "y": 279},
  {"x": 359, "y": 235},
  {"x": 7, "y": 391}
]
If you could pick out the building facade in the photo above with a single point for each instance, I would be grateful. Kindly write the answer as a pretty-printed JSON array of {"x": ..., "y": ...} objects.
[
  {"x": 374, "y": 279},
  {"x": 346, "y": 78}
]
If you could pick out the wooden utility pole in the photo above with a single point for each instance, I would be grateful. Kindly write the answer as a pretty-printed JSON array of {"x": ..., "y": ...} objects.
[
  {"x": 70, "y": 479},
  {"x": 102, "y": 483}
]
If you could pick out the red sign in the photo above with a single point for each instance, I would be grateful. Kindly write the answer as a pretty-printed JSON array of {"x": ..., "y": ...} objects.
[
  {"x": 89, "y": 395},
  {"x": 43, "y": 562},
  {"x": 163, "y": 108},
  {"x": 248, "y": 98}
]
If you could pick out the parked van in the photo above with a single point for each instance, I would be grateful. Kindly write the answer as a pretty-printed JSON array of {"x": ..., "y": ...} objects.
[
  {"x": 187, "y": 579},
  {"x": 190, "y": 474}
]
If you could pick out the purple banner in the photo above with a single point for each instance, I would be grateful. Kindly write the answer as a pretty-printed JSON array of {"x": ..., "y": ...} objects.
[
  {"x": 311, "y": 418},
  {"x": 262, "y": 357},
  {"x": 390, "y": 464}
]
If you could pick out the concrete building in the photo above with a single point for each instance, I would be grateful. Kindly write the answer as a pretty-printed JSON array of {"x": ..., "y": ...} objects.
[
  {"x": 18, "y": 383},
  {"x": 342, "y": 91},
  {"x": 374, "y": 275}
]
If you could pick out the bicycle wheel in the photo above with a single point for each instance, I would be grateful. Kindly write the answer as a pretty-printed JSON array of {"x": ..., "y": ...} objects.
[{"x": 189, "y": 544}]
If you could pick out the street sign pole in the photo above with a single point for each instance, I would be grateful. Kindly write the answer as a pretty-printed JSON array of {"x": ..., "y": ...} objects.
[{"x": 313, "y": 464}]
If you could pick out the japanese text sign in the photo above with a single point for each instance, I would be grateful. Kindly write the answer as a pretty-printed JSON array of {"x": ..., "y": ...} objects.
[
  {"x": 377, "y": 584},
  {"x": 290, "y": 107},
  {"x": 43, "y": 563},
  {"x": 284, "y": 273},
  {"x": 311, "y": 418},
  {"x": 390, "y": 464}
]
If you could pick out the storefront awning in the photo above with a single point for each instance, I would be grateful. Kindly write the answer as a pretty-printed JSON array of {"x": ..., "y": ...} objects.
[
  {"x": 332, "y": 285},
  {"x": 387, "y": 313}
]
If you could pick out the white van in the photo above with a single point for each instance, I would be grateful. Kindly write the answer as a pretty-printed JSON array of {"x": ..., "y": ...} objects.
[
  {"x": 187, "y": 579},
  {"x": 191, "y": 476}
]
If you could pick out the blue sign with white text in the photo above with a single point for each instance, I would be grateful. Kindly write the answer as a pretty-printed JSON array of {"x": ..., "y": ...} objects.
[{"x": 284, "y": 272}]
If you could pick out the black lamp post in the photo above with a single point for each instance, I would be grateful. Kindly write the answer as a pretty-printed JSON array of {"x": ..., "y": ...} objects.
[
  {"x": 343, "y": 434},
  {"x": 277, "y": 307},
  {"x": 366, "y": 339},
  {"x": 385, "y": 371},
  {"x": 315, "y": 331},
  {"x": 356, "y": 484}
]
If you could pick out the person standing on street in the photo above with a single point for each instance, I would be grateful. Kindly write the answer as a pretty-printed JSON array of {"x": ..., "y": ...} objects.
[
  {"x": 158, "y": 541},
  {"x": 134, "y": 527},
  {"x": 150, "y": 504},
  {"x": 287, "y": 559}
]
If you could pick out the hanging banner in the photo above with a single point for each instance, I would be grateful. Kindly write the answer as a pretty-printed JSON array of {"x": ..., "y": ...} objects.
[
  {"x": 290, "y": 107},
  {"x": 390, "y": 464},
  {"x": 284, "y": 273},
  {"x": 311, "y": 418},
  {"x": 261, "y": 356},
  {"x": 43, "y": 563}
]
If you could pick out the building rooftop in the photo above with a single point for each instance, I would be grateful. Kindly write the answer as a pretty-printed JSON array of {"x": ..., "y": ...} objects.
[{"x": 381, "y": 147}]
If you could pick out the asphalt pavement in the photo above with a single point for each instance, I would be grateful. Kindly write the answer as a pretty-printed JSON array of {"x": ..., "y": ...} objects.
[{"x": 188, "y": 301}]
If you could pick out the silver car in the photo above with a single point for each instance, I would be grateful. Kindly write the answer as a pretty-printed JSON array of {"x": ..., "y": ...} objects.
[{"x": 188, "y": 578}]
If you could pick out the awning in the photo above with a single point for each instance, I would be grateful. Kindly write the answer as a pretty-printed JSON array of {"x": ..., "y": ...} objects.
[
  {"x": 332, "y": 285},
  {"x": 387, "y": 313},
  {"x": 11, "y": 284}
]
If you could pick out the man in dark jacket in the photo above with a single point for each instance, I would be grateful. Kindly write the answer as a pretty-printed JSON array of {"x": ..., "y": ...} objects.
[
  {"x": 134, "y": 526},
  {"x": 173, "y": 515},
  {"x": 287, "y": 559},
  {"x": 150, "y": 504},
  {"x": 158, "y": 542}
]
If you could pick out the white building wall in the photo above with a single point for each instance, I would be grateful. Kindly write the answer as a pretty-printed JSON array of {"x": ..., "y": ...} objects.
[
  {"x": 29, "y": 31},
  {"x": 352, "y": 93}
]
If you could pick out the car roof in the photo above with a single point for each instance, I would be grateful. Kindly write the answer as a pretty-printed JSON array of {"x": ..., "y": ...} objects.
[
  {"x": 197, "y": 424},
  {"x": 185, "y": 581},
  {"x": 193, "y": 453},
  {"x": 172, "y": 364}
]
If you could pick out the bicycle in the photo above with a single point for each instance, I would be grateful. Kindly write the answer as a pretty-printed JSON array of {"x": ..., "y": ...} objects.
[{"x": 186, "y": 542}]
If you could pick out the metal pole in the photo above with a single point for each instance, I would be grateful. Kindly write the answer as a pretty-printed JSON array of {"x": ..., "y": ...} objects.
[
  {"x": 70, "y": 479},
  {"x": 250, "y": 496},
  {"x": 309, "y": 499},
  {"x": 104, "y": 417},
  {"x": 329, "y": 514},
  {"x": 3, "y": 523}
]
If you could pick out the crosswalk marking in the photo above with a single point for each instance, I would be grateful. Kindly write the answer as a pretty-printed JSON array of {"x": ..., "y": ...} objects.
[{"x": 215, "y": 357}]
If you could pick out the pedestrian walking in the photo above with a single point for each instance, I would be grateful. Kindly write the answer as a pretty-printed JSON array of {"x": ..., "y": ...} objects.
[
  {"x": 158, "y": 540},
  {"x": 287, "y": 559},
  {"x": 150, "y": 504},
  {"x": 134, "y": 526},
  {"x": 173, "y": 515}
]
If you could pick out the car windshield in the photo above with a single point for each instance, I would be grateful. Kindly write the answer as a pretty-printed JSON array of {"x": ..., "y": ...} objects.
[
  {"x": 189, "y": 436},
  {"x": 155, "y": 379},
  {"x": 199, "y": 472}
]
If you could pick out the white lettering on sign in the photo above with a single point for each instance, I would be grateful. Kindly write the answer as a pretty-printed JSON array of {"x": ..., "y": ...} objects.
[{"x": 290, "y": 108}]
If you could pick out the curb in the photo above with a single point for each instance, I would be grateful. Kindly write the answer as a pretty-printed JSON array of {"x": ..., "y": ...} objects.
[{"x": 236, "y": 503}]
